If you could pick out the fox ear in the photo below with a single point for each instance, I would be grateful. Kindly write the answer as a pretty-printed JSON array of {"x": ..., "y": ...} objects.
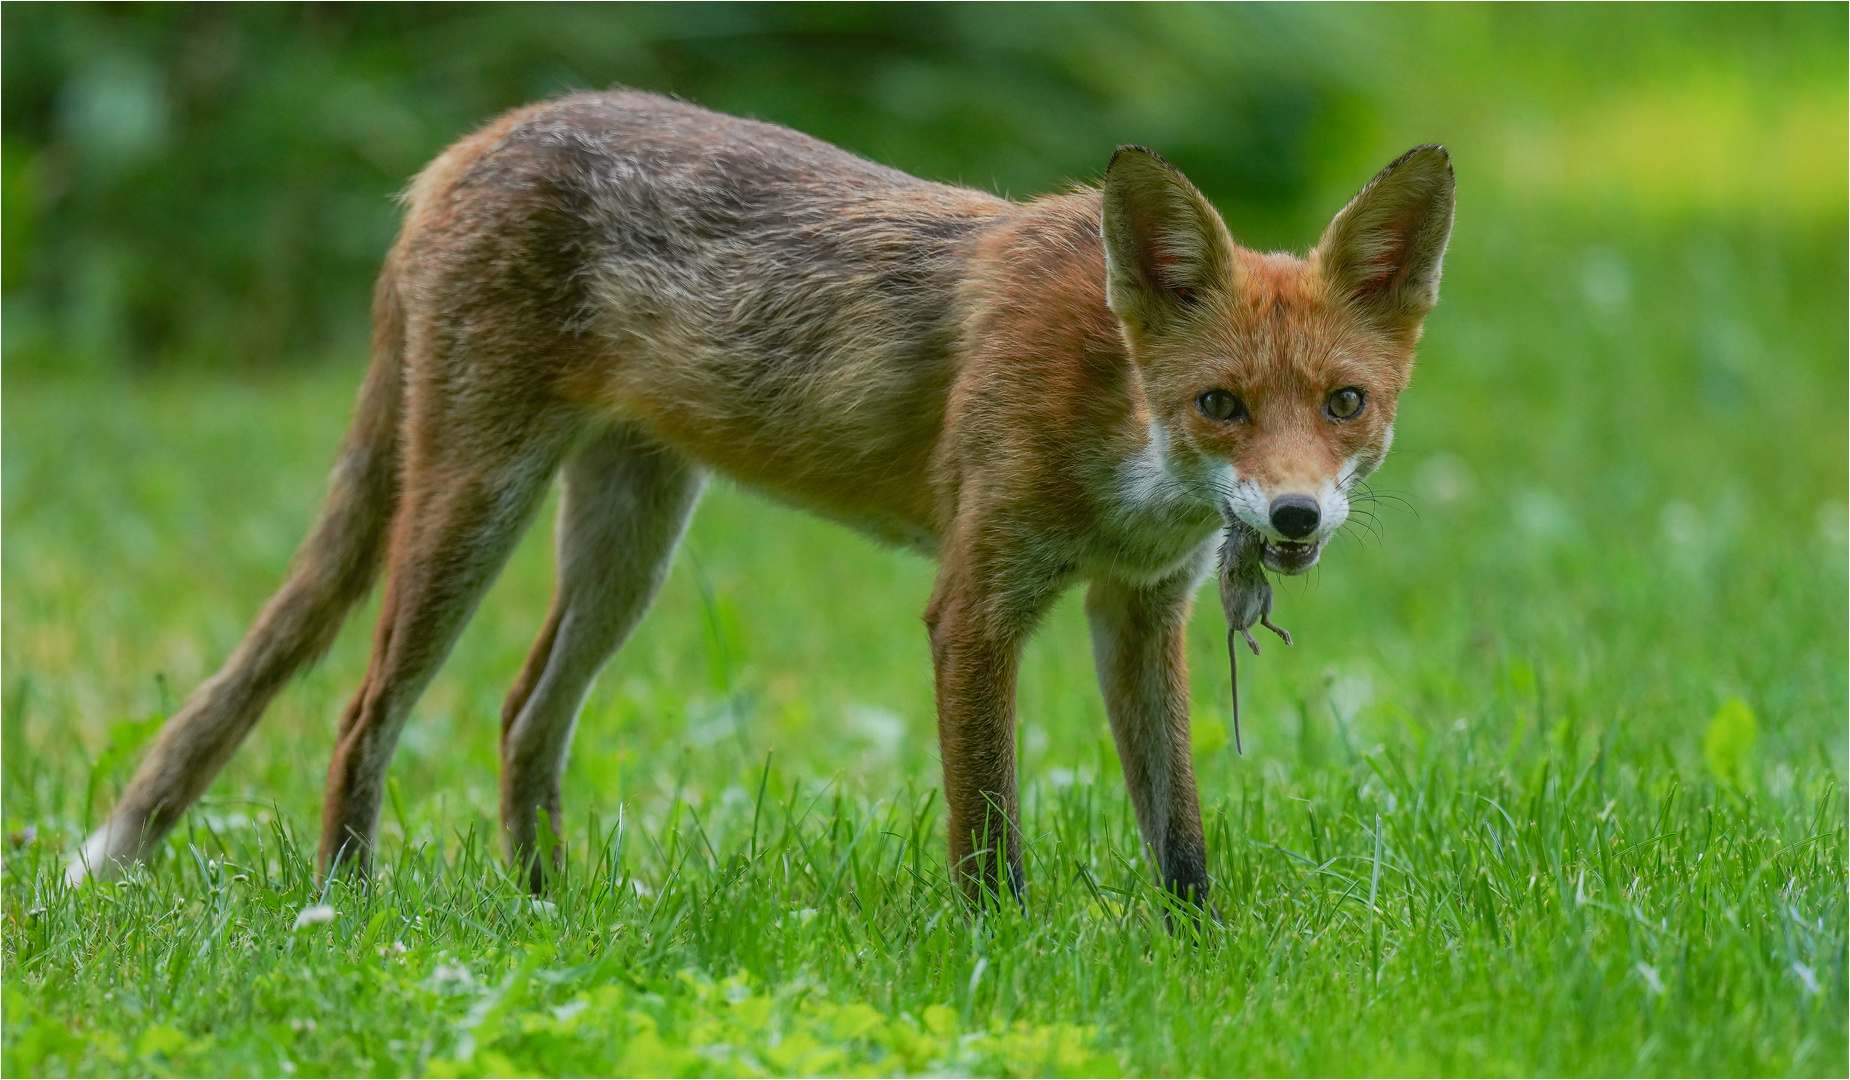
[
  {"x": 1385, "y": 249},
  {"x": 1164, "y": 244}
]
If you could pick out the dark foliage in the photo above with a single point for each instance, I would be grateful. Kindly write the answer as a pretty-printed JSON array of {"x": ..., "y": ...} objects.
[{"x": 215, "y": 182}]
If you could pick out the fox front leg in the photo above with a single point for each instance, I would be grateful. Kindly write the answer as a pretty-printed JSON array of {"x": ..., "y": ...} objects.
[
  {"x": 1139, "y": 642},
  {"x": 988, "y": 597}
]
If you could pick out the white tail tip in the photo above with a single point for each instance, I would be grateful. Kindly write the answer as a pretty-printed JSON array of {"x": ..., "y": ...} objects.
[{"x": 93, "y": 861}]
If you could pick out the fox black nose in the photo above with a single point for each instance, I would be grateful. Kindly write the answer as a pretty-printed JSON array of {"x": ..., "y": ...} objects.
[{"x": 1295, "y": 515}]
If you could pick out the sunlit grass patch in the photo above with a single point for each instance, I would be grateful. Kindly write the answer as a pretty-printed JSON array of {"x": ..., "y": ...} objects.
[{"x": 1418, "y": 909}]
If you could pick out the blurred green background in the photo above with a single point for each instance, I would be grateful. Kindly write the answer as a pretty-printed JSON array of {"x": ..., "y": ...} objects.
[{"x": 211, "y": 185}]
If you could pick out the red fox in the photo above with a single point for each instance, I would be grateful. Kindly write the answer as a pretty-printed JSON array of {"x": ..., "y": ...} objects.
[{"x": 630, "y": 291}]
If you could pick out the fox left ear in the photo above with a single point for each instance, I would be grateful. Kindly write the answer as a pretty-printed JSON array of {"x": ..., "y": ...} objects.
[
  {"x": 1164, "y": 244},
  {"x": 1384, "y": 251}
]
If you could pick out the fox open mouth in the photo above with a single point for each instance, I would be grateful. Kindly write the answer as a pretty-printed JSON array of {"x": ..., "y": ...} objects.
[{"x": 1287, "y": 557}]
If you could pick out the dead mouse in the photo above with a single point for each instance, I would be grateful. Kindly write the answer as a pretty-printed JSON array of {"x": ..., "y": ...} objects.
[{"x": 1246, "y": 596}]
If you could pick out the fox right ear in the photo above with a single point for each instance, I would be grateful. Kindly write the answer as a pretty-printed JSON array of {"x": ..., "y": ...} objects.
[
  {"x": 1383, "y": 252},
  {"x": 1164, "y": 243}
]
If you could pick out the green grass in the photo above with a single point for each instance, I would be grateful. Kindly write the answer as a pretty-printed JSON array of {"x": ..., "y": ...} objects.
[{"x": 1499, "y": 813}]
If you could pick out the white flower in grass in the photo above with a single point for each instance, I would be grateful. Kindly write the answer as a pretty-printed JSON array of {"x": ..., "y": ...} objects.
[
  {"x": 450, "y": 979},
  {"x": 1651, "y": 977},
  {"x": 314, "y": 915},
  {"x": 1807, "y": 978}
]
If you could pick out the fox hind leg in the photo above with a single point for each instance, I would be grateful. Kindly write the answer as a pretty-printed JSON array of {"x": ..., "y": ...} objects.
[
  {"x": 469, "y": 493},
  {"x": 625, "y": 502}
]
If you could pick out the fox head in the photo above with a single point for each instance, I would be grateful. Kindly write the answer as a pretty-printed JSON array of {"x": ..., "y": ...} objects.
[{"x": 1272, "y": 379}]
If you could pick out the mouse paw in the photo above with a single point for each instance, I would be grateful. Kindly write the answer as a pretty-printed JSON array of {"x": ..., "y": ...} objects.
[{"x": 1279, "y": 630}]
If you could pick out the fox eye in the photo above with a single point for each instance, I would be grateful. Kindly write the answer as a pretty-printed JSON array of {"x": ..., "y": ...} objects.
[
  {"x": 1345, "y": 404},
  {"x": 1222, "y": 405}
]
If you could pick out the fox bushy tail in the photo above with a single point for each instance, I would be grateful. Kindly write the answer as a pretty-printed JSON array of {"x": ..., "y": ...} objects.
[{"x": 332, "y": 571}]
